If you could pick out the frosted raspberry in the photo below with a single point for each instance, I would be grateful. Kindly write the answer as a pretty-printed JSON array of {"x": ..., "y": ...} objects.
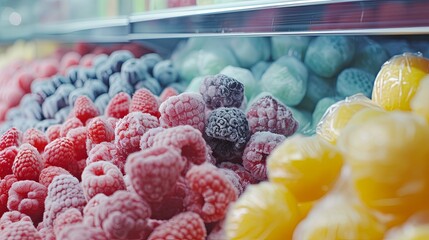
[
  {"x": 11, "y": 137},
  {"x": 81, "y": 232},
  {"x": 227, "y": 133},
  {"x": 127, "y": 181},
  {"x": 7, "y": 156},
  {"x": 234, "y": 179},
  {"x": 112, "y": 121},
  {"x": 61, "y": 153},
  {"x": 172, "y": 203},
  {"x": 210, "y": 192},
  {"x": 28, "y": 163},
  {"x": 78, "y": 136},
  {"x": 28, "y": 197},
  {"x": 99, "y": 130},
  {"x": 91, "y": 208},
  {"x": 257, "y": 150},
  {"x": 108, "y": 152},
  {"x": 153, "y": 172},
  {"x": 167, "y": 93},
  {"x": 35, "y": 138},
  {"x": 151, "y": 225},
  {"x": 5, "y": 185},
  {"x": 217, "y": 232},
  {"x": 84, "y": 109},
  {"x": 101, "y": 177},
  {"x": 119, "y": 105},
  {"x": 21, "y": 230},
  {"x": 187, "y": 140},
  {"x": 222, "y": 91},
  {"x": 12, "y": 217},
  {"x": 47, "y": 174},
  {"x": 129, "y": 130},
  {"x": 68, "y": 125},
  {"x": 187, "y": 225},
  {"x": 246, "y": 178},
  {"x": 144, "y": 101},
  {"x": 53, "y": 132},
  {"x": 64, "y": 192},
  {"x": 68, "y": 217},
  {"x": 123, "y": 215},
  {"x": 209, "y": 156},
  {"x": 183, "y": 109},
  {"x": 269, "y": 114},
  {"x": 47, "y": 233},
  {"x": 146, "y": 140}
]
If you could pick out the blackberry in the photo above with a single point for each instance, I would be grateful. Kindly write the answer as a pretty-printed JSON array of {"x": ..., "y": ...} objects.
[{"x": 222, "y": 91}]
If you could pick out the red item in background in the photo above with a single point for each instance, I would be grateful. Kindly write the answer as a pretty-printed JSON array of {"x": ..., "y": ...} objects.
[{"x": 180, "y": 3}]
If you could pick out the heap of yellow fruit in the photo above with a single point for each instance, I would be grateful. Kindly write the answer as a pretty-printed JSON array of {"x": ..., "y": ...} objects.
[{"x": 364, "y": 175}]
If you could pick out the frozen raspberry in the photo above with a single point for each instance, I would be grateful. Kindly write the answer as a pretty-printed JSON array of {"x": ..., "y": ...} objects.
[
  {"x": 246, "y": 177},
  {"x": 21, "y": 230},
  {"x": 108, "y": 152},
  {"x": 167, "y": 93},
  {"x": 187, "y": 225},
  {"x": 209, "y": 156},
  {"x": 269, "y": 114},
  {"x": 68, "y": 125},
  {"x": 151, "y": 225},
  {"x": 84, "y": 109},
  {"x": 129, "y": 130},
  {"x": 99, "y": 130},
  {"x": 78, "y": 137},
  {"x": 61, "y": 153},
  {"x": 28, "y": 197},
  {"x": 12, "y": 217},
  {"x": 81, "y": 232},
  {"x": 35, "y": 138},
  {"x": 147, "y": 139},
  {"x": 69, "y": 217},
  {"x": 172, "y": 203},
  {"x": 7, "y": 156},
  {"x": 217, "y": 232},
  {"x": 47, "y": 174},
  {"x": 47, "y": 233},
  {"x": 64, "y": 192},
  {"x": 11, "y": 137},
  {"x": 53, "y": 132},
  {"x": 112, "y": 121},
  {"x": 101, "y": 177},
  {"x": 210, "y": 192},
  {"x": 28, "y": 163},
  {"x": 123, "y": 216},
  {"x": 91, "y": 208},
  {"x": 183, "y": 109},
  {"x": 119, "y": 105},
  {"x": 227, "y": 133},
  {"x": 5, "y": 185},
  {"x": 257, "y": 150},
  {"x": 222, "y": 91},
  {"x": 144, "y": 101},
  {"x": 234, "y": 179},
  {"x": 153, "y": 172},
  {"x": 187, "y": 140}
]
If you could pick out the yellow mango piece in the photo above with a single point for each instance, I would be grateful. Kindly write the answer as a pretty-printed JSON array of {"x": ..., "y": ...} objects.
[
  {"x": 420, "y": 101},
  {"x": 416, "y": 228}
]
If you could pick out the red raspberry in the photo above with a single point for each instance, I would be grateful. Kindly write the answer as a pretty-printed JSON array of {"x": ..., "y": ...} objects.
[
  {"x": 118, "y": 106},
  {"x": 11, "y": 137},
  {"x": 257, "y": 150},
  {"x": 87, "y": 60},
  {"x": 69, "y": 59},
  {"x": 108, "y": 152},
  {"x": 84, "y": 109},
  {"x": 28, "y": 163},
  {"x": 147, "y": 139},
  {"x": 112, "y": 121},
  {"x": 21, "y": 230},
  {"x": 24, "y": 79},
  {"x": 234, "y": 179},
  {"x": 69, "y": 217},
  {"x": 47, "y": 233},
  {"x": 217, "y": 232},
  {"x": 167, "y": 93},
  {"x": 172, "y": 203},
  {"x": 7, "y": 156},
  {"x": 144, "y": 101},
  {"x": 35, "y": 138},
  {"x": 209, "y": 157},
  {"x": 187, "y": 140},
  {"x": 151, "y": 225},
  {"x": 5, "y": 185},
  {"x": 99, "y": 130},
  {"x": 101, "y": 177},
  {"x": 70, "y": 124},
  {"x": 12, "y": 217},
  {"x": 61, "y": 153},
  {"x": 82, "y": 232},
  {"x": 91, "y": 208},
  {"x": 210, "y": 192},
  {"x": 269, "y": 114},
  {"x": 123, "y": 216},
  {"x": 183, "y": 109},
  {"x": 187, "y": 225},
  {"x": 78, "y": 136},
  {"x": 53, "y": 132},
  {"x": 246, "y": 178},
  {"x": 153, "y": 172},
  {"x": 64, "y": 192},
  {"x": 47, "y": 174},
  {"x": 129, "y": 130},
  {"x": 28, "y": 197}
]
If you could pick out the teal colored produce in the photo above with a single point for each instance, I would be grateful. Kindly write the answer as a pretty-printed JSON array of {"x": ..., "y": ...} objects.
[
  {"x": 245, "y": 77},
  {"x": 320, "y": 110},
  {"x": 317, "y": 88},
  {"x": 304, "y": 119},
  {"x": 259, "y": 69},
  {"x": 370, "y": 56},
  {"x": 194, "y": 85},
  {"x": 294, "y": 46},
  {"x": 353, "y": 80},
  {"x": 249, "y": 51}
]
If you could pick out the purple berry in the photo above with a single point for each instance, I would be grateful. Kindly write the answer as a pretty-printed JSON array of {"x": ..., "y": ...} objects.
[{"x": 222, "y": 91}]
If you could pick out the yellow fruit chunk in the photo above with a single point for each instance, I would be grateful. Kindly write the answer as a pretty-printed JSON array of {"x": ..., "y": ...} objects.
[
  {"x": 307, "y": 166},
  {"x": 264, "y": 211},
  {"x": 305, "y": 208},
  {"x": 389, "y": 162},
  {"x": 420, "y": 101},
  {"x": 415, "y": 229},
  {"x": 338, "y": 115},
  {"x": 398, "y": 80}
]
